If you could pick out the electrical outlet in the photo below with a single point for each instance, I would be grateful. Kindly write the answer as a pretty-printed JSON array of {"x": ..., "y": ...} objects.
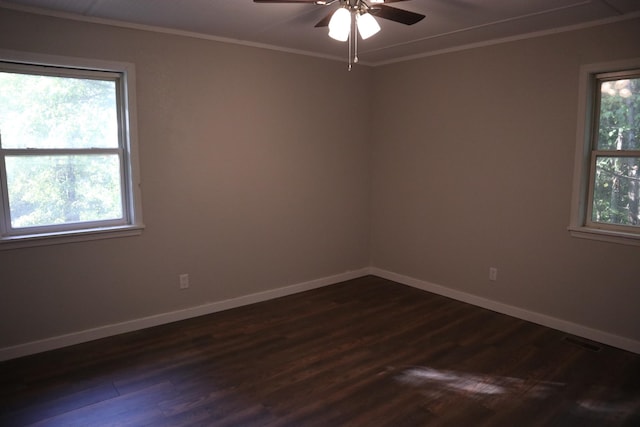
[
  {"x": 493, "y": 274},
  {"x": 184, "y": 281}
]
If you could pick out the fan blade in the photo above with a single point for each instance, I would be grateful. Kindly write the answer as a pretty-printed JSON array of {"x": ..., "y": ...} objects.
[
  {"x": 285, "y": 1},
  {"x": 397, "y": 15},
  {"x": 324, "y": 22}
]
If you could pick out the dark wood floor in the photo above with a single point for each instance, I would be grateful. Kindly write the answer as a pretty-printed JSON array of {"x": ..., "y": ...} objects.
[{"x": 366, "y": 352}]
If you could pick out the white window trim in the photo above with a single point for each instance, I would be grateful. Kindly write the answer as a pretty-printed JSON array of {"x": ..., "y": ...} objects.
[
  {"x": 579, "y": 226},
  {"x": 135, "y": 225}
]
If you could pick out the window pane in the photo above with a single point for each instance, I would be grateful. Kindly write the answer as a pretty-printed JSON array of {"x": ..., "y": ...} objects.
[
  {"x": 619, "y": 127},
  {"x": 63, "y": 189},
  {"x": 616, "y": 191},
  {"x": 57, "y": 112}
]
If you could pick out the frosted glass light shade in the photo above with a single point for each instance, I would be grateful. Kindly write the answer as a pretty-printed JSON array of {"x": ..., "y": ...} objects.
[
  {"x": 367, "y": 25},
  {"x": 340, "y": 25}
]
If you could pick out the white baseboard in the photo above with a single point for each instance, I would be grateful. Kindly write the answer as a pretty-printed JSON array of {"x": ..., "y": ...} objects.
[
  {"x": 517, "y": 312},
  {"x": 160, "y": 319}
]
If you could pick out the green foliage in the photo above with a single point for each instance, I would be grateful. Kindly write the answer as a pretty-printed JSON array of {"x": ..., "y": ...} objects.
[
  {"x": 46, "y": 190},
  {"x": 66, "y": 114},
  {"x": 57, "y": 112},
  {"x": 617, "y": 181}
]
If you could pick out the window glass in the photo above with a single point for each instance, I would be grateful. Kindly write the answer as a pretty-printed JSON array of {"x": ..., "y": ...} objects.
[
  {"x": 619, "y": 124},
  {"x": 42, "y": 111},
  {"x": 68, "y": 157},
  {"x": 63, "y": 189},
  {"x": 614, "y": 190}
]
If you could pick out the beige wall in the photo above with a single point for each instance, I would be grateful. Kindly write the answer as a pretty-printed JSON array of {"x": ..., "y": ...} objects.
[
  {"x": 472, "y": 168},
  {"x": 254, "y": 167},
  {"x": 262, "y": 169}
]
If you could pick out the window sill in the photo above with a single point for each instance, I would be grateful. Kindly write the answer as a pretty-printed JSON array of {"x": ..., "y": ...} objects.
[
  {"x": 46, "y": 239},
  {"x": 605, "y": 235}
]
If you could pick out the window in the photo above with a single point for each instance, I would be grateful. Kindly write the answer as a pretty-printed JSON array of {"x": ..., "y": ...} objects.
[
  {"x": 67, "y": 153},
  {"x": 607, "y": 181}
]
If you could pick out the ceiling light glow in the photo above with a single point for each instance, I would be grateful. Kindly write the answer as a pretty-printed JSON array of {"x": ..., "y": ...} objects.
[
  {"x": 367, "y": 25},
  {"x": 340, "y": 25}
]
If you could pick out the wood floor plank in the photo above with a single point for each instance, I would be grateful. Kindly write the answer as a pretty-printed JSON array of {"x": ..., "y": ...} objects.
[{"x": 366, "y": 352}]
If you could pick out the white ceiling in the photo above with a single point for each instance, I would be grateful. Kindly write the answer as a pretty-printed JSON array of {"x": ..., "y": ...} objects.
[{"x": 449, "y": 24}]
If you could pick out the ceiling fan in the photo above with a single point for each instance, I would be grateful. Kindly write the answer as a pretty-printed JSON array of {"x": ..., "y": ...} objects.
[{"x": 340, "y": 21}]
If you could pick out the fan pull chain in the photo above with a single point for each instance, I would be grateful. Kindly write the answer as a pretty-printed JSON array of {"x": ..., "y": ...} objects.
[
  {"x": 350, "y": 55},
  {"x": 355, "y": 45},
  {"x": 350, "y": 41}
]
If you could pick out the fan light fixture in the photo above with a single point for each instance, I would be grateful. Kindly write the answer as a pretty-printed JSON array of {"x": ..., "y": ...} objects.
[
  {"x": 340, "y": 24},
  {"x": 367, "y": 25},
  {"x": 341, "y": 28},
  {"x": 356, "y": 16}
]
